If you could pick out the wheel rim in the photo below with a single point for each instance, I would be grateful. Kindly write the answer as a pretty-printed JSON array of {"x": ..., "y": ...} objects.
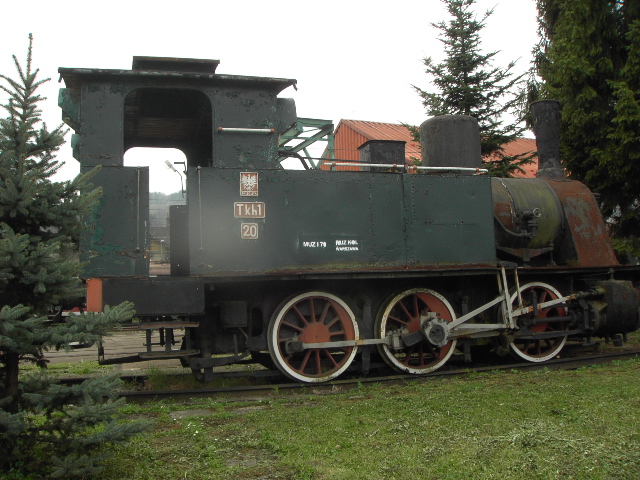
[
  {"x": 403, "y": 312},
  {"x": 542, "y": 349},
  {"x": 313, "y": 317}
]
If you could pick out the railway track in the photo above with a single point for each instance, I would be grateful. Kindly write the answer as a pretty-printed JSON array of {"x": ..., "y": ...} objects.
[{"x": 273, "y": 383}]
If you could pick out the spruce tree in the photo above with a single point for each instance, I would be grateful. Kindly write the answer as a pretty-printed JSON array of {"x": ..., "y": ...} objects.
[
  {"x": 46, "y": 429},
  {"x": 467, "y": 84},
  {"x": 588, "y": 58}
]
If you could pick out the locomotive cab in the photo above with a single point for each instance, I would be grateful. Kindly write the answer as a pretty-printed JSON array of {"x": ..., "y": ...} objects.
[{"x": 167, "y": 103}]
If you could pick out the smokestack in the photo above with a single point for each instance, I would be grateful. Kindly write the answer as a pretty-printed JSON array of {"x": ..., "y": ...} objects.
[{"x": 546, "y": 127}]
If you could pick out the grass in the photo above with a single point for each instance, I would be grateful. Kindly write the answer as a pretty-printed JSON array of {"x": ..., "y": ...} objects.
[
  {"x": 70, "y": 369},
  {"x": 582, "y": 424}
]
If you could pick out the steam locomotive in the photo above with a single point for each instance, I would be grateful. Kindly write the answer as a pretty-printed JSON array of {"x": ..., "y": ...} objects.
[{"x": 318, "y": 269}]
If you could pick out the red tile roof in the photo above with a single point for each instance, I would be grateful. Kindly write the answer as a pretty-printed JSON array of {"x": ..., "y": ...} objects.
[
  {"x": 520, "y": 146},
  {"x": 350, "y": 134}
]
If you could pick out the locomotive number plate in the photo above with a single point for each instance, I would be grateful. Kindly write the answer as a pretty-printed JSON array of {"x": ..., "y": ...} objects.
[
  {"x": 249, "y": 231},
  {"x": 248, "y": 209}
]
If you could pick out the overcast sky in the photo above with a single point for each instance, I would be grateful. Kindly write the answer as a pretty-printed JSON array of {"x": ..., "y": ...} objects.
[{"x": 353, "y": 59}]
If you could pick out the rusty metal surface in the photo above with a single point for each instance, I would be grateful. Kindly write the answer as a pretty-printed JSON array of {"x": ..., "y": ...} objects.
[{"x": 585, "y": 224}]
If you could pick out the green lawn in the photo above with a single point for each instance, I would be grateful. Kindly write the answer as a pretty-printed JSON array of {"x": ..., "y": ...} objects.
[{"x": 582, "y": 424}]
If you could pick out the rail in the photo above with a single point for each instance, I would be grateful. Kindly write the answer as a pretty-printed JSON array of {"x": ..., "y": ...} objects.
[{"x": 268, "y": 387}]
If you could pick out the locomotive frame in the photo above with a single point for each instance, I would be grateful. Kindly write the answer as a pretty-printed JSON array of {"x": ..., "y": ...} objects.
[{"x": 314, "y": 270}]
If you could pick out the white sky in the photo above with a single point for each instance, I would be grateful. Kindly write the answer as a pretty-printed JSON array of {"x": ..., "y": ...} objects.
[{"x": 353, "y": 59}]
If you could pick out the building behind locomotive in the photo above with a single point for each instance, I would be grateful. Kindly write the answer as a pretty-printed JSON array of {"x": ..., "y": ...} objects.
[{"x": 254, "y": 235}]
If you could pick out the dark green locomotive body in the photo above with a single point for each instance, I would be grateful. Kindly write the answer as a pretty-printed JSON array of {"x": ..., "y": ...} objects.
[{"x": 317, "y": 221}]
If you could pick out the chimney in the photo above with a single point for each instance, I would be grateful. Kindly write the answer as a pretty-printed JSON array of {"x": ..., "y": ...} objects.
[{"x": 546, "y": 127}]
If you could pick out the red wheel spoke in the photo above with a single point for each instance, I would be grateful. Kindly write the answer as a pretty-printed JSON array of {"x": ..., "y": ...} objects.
[
  {"x": 416, "y": 310},
  {"x": 312, "y": 312},
  {"x": 408, "y": 353},
  {"x": 333, "y": 322},
  {"x": 304, "y": 320},
  {"x": 389, "y": 317},
  {"x": 323, "y": 315},
  {"x": 330, "y": 357},
  {"x": 438, "y": 352},
  {"x": 405, "y": 311},
  {"x": 305, "y": 360},
  {"x": 294, "y": 327}
]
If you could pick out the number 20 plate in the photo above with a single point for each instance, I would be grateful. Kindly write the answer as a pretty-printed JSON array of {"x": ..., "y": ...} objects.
[{"x": 249, "y": 231}]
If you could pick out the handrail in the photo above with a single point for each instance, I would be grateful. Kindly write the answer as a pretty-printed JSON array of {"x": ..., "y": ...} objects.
[{"x": 409, "y": 168}]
